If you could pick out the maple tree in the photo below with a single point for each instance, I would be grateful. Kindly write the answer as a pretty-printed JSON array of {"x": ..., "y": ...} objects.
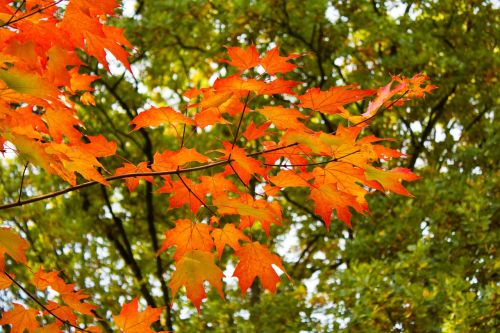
[{"x": 230, "y": 191}]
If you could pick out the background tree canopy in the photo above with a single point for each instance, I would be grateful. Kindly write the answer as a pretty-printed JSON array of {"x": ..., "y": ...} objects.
[{"x": 427, "y": 264}]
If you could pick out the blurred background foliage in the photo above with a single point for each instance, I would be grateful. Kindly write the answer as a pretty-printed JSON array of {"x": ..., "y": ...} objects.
[{"x": 423, "y": 264}]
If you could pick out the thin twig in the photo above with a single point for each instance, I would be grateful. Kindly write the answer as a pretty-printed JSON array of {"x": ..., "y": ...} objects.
[
  {"x": 309, "y": 164},
  {"x": 239, "y": 123},
  {"x": 22, "y": 181},
  {"x": 15, "y": 13},
  {"x": 43, "y": 306},
  {"x": 196, "y": 195}
]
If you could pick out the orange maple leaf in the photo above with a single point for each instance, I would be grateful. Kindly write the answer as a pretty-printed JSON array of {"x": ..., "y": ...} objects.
[
  {"x": 252, "y": 132},
  {"x": 273, "y": 63},
  {"x": 250, "y": 210},
  {"x": 171, "y": 160},
  {"x": 333, "y": 99},
  {"x": 186, "y": 236},
  {"x": 257, "y": 261},
  {"x": 62, "y": 311},
  {"x": 242, "y": 58},
  {"x": 390, "y": 179},
  {"x": 284, "y": 118},
  {"x": 278, "y": 86},
  {"x": 20, "y": 318},
  {"x": 236, "y": 83},
  {"x": 5, "y": 282},
  {"x": 130, "y": 320},
  {"x": 133, "y": 182},
  {"x": 228, "y": 235},
  {"x": 13, "y": 245},
  {"x": 158, "y": 116},
  {"x": 192, "y": 270}
]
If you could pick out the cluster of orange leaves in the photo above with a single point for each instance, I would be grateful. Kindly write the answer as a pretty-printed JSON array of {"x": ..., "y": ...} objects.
[{"x": 40, "y": 78}]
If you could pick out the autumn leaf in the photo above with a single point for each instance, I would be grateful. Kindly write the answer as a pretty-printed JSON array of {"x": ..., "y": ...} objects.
[
  {"x": 192, "y": 270},
  {"x": 61, "y": 311},
  {"x": 331, "y": 101},
  {"x": 186, "y": 236},
  {"x": 253, "y": 132},
  {"x": 291, "y": 178},
  {"x": 327, "y": 197},
  {"x": 73, "y": 298},
  {"x": 284, "y": 118},
  {"x": 171, "y": 160},
  {"x": 278, "y": 86},
  {"x": 133, "y": 182},
  {"x": 236, "y": 83},
  {"x": 27, "y": 83},
  {"x": 159, "y": 116},
  {"x": 390, "y": 179},
  {"x": 243, "y": 165},
  {"x": 243, "y": 58},
  {"x": 42, "y": 280},
  {"x": 228, "y": 235},
  {"x": 257, "y": 261},
  {"x": 20, "y": 318},
  {"x": 262, "y": 211},
  {"x": 130, "y": 320},
  {"x": 273, "y": 63},
  {"x": 5, "y": 282},
  {"x": 13, "y": 245}
]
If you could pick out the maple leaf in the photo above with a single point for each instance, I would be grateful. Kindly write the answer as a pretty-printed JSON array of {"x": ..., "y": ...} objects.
[
  {"x": 54, "y": 328},
  {"x": 186, "y": 236},
  {"x": 5, "y": 282},
  {"x": 265, "y": 212},
  {"x": 284, "y": 118},
  {"x": 182, "y": 193},
  {"x": 158, "y": 116},
  {"x": 61, "y": 311},
  {"x": 133, "y": 182},
  {"x": 242, "y": 58},
  {"x": 130, "y": 320},
  {"x": 26, "y": 83},
  {"x": 236, "y": 83},
  {"x": 290, "y": 178},
  {"x": 192, "y": 270},
  {"x": 273, "y": 63},
  {"x": 391, "y": 179},
  {"x": 278, "y": 86},
  {"x": 243, "y": 165},
  {"x": 171, "y": 160},
  {"x": 252, "y": 132},
  {"x": 383, "y": 95},
  {"x": 13, "y": 245},
  {"x": 257, "y": 261},
  {"x": 42, "y": 280},
  {"x": 213, "y": 99},
  {"x": 72, "y": 298},
  {"x": 328, "y": 197},
  {"x": 20, "y": 318},
  {"x": 228, "y": 235},
  {"x": 331, "y": 101}
]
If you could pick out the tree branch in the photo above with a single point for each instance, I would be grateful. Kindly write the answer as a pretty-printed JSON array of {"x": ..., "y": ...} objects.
[{"x": 138, "y": 174}]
